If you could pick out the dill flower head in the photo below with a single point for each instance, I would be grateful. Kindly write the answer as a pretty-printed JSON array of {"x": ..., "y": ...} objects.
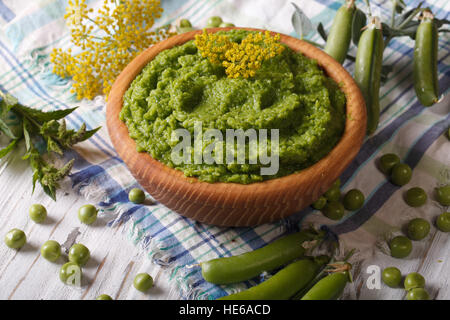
[
  {"x": 107, "y": 41},
  {"x": 239, "y": 59}
]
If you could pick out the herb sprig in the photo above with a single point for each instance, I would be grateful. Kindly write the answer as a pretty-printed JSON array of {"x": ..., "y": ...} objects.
[{"x": 44, "y": 134}]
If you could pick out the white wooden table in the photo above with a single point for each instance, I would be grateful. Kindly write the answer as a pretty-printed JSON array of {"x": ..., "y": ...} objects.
[{"x": 24, "y": 274}]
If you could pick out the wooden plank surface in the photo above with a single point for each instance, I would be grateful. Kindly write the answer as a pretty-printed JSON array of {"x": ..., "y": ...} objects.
[{"x": 24, "y": 274}]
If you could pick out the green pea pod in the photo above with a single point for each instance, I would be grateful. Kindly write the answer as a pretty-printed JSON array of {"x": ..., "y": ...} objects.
[
  {"x": 338, "y": 40},
  {"x": 251, "y": 264},
  {"x": 328, "y": 288},
  {"x": 285, "y": 283},
  {"x": 367, "y": 74},
  {"x": 425, "y": 61},
  {"x": 358, "y": 23}
]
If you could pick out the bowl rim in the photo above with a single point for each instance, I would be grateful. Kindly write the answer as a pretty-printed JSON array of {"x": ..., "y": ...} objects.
[{"x": 229, "y": 193}]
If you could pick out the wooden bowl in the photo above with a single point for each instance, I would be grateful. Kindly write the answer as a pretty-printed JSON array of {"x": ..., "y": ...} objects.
[{"x": 232, "y": 204}]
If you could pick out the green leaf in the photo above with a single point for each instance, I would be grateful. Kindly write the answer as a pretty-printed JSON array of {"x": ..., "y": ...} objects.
[
  {"x": 42, "y": 116},
  {"x": 6, "y": 103},
  {"x": 385, "y": 70},
  {"x": 52, "y": 146},
  {"x": 358, "y": 23},
  {"x": 399, "y": 5},
  {"x": 90, "y": 133},
  {"x": 6, "y": 130},
  {"x": 9, "y": 148},
  {"x": 301, "y": 23},
  {"x": 26, "y": 134},
  {"x": 321, "y": 31}
]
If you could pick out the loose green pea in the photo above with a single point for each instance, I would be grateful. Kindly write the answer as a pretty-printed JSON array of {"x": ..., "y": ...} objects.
[
  {"x": 143, "y": 282},
  {"x": 185, "y": 23},
  {"x": 418, "y": 229},
  {"x": 414, "y": 280},
  {"x": 38, "y": 213},
  {"x": 443, "y": 222},
  {"x": 79, "y": 254},
  {"x": 214, "y": 22},
  {"x": 319, "y": 203},
  {"x": 226, "y": 25},
  {"x": 333, "y": 194},
  {"x": 443, "y": 195},
  {"x": 416, "y": 197},
  {"x": 136, "y": 195},
  {"x": 51, "y": 250},
  {"x": 387, "y": 162},
  {"x": 400, "y": 247},
  {"x": 392, "y": 277},
  {"x": 104, "y": 297},
  {"x": 15, "y": 239},
  {"x": 334, "y": 210},
  {"x": 401, "y": 174},
  {"x": 87, "y": 214},
  {"x": 353, "y": 200},
  {"x": 70, "y": 273},
  {"x": 336, "y": 183},
  {"x": 417, "y": 294},
  {"x": 184, "y": 30}
]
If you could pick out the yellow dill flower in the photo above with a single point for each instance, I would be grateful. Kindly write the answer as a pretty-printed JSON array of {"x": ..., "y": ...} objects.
[
  {"x": 239, "y": 59},
  {"x": 108, "y": 40}
]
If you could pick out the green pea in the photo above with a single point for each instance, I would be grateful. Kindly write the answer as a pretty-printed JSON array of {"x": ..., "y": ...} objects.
[
  {"x": 401, "y": 174},
  {"x": 418, "y": 229},
  {"x": 51, "y": 250},
  {"x": 443, "y": 195},
  {"x": 214, "y": 22},
  {"x": 334, "y": 210},
  {"x": 104, "y": 297},
  {"x": 184, "y": 30},
  {"x": 15, "y": 239},
  {"x": 319, "y": 203},
  {"x": 226, "y": 25},
  {"x": 414, "y": 280},
  {"x": 70, "y": 273},
  {"x": 79, "y": 254},
  {"x": 353, "y": 200},
  {"x": 387, "y": 162},
  {"x": 400, "y": 247},
  {"x": 185, "y": 23},
  {"x": 136, "y": 195},
  {"x": 417, "y": 294},
  {"x": 336, "y": 183},
  {"x": 143, "y": 282},
  {"x": 443, "y": 222},
  {"x": 38, "y": 213},
  {"x": 87, "y": 214},
  {"x": 333, "y": 194},
  {"x": 392, "y": 277},
  {"x": 416, "y": 197}
]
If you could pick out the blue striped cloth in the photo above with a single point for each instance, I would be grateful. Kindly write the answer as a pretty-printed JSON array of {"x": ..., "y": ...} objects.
[{"x": 31, "y": 29}]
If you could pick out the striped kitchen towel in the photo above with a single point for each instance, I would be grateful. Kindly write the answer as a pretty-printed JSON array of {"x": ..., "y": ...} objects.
[{"x": 30, "y": 29}]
